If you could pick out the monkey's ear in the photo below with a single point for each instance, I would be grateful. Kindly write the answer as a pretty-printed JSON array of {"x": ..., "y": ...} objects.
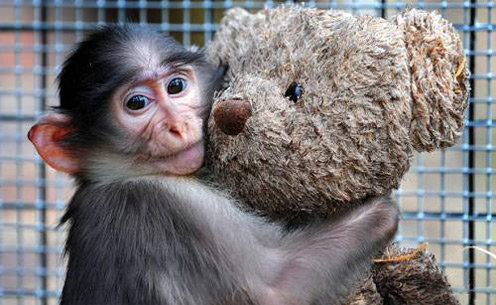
[{"x": 46, "y": 136}]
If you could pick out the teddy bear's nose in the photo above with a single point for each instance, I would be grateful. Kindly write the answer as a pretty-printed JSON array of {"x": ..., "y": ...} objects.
[{"x": 231, "y": 115}]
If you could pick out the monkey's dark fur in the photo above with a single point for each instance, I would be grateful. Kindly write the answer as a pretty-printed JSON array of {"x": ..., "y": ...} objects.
[
  {"x": 123, "y": 233},
  {"x": 142, "y": 239}
]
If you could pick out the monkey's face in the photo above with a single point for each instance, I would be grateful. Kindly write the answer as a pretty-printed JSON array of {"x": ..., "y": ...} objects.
[
  {"x": 159, "y": 116},
  {"x": 132, "y": 102}
]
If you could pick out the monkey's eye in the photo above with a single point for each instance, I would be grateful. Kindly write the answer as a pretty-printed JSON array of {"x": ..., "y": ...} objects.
[
  {"x": 137, "y": 102},
  {"x": 176, "y": 85},
  {"x": 294, "y": 92}
]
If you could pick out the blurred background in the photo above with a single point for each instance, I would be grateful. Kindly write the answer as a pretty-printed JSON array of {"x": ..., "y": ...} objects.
[{"x": 447, "y": 199}]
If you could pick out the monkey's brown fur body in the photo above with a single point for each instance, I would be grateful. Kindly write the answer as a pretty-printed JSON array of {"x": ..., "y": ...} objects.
[{"x": 374, "y": 91}]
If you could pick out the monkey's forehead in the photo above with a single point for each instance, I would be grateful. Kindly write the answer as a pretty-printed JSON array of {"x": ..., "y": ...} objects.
[
  {"x": 153, "y": 67},
  {"x": 111, "y": 57},
  {"x": 145, "y": 52}
]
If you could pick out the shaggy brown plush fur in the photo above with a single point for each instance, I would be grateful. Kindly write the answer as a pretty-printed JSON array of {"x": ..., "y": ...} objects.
[
  {"x": 415, "y": 281},
  {"x": 374, "y": 91}
]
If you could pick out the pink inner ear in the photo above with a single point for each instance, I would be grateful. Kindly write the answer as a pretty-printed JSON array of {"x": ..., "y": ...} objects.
[{"x": 46, "y": 136}]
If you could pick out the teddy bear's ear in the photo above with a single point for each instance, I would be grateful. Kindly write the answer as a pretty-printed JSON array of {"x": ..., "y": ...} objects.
[
  {"x": 233, "y": 36},
  {"x": 439, "y": 79}
]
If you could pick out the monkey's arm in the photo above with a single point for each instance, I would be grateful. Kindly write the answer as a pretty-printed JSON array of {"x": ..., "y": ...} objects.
[
  {"x": 318, "y": 264},
  {"x": 322, "y": 264}
]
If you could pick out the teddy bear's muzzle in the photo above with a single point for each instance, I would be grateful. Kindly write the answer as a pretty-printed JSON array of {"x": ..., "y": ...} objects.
[{"x": 231, "y": 115}]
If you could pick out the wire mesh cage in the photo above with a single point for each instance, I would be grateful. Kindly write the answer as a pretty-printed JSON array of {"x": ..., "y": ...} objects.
[{"x": 447, "y": 199}]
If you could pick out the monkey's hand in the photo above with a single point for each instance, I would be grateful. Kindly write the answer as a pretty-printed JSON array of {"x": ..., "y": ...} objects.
[{"x": 321, "y": 264}]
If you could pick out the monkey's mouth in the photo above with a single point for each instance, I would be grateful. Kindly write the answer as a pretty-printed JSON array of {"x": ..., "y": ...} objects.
[
  {"x": 182, "y": 162},
  {"x": 188, "y": 150}
]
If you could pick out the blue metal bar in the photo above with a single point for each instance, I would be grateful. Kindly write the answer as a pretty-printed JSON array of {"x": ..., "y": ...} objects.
[
  {"x": 42, "y": 175},
  {"x": 184, "y": 27},
  {"x": 400, "y": 5},
  {"x": 489, "y": 163},
  {"x": 471, "y": 165}
]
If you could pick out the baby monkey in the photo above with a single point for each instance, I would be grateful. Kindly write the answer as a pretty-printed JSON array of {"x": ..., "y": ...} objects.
[{"x": 143, "y": 230}]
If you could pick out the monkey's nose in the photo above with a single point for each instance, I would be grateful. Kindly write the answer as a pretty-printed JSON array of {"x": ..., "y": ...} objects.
[
  {"x": 231, "y": 115},
  {"x": 175, "y": 131}
]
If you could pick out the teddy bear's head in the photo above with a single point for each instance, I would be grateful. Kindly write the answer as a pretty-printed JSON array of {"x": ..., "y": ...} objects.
[{"x": 323, "y": 108}]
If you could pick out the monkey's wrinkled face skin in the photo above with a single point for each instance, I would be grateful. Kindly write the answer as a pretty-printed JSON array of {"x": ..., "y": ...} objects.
[{"x": 160, "y": 114}]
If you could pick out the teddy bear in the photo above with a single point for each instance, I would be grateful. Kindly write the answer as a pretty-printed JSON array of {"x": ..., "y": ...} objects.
[{"x": 322, "y": 109}]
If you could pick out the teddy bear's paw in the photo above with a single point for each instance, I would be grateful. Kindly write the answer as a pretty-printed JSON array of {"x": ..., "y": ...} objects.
[{"x": 418, "y": 281}]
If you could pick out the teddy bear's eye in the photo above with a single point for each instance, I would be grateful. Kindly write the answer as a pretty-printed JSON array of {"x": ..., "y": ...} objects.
[{"x": 294, "y": 92}]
